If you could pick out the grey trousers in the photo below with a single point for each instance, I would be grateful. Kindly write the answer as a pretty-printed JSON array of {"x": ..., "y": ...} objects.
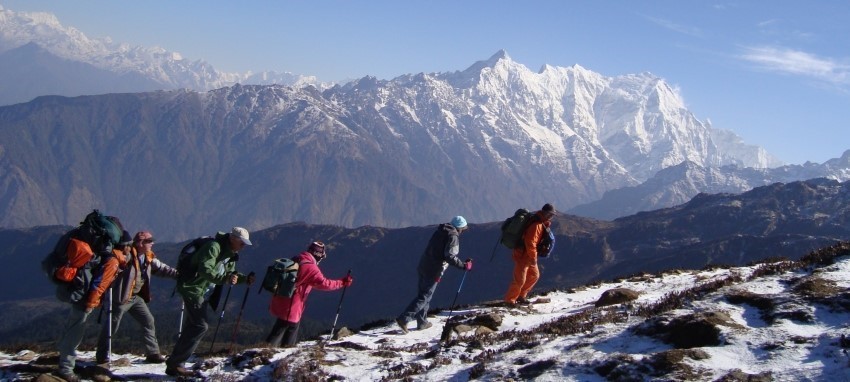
[
  {"x": 138, "y": 309},
  {"x": 75, "y": 328},
  {"x": 193, "y": 331},
  {"x": 418, "y": 308}
]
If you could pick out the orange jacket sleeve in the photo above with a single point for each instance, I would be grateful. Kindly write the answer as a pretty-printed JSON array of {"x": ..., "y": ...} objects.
[{"x": 103, "y": 280}]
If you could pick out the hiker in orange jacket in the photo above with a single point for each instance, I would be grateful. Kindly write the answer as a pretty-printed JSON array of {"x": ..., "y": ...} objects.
[
  {"x": 75, "y": 327},
  {"x": 526, "y": 273},
  {"x": 131, "y": 294}
]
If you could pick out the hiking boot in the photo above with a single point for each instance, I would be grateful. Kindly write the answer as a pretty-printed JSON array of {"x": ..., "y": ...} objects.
[
  {"x": 155, "y": 358},
  {"x": 178, "y": 371},
  {"x": 402, "y": 324},
  {"x": 70, "y": 377},
  {"x": 523, "y": 301},
  {"x": 101, "y": 362},
  {"x": 424, "y": 326}
]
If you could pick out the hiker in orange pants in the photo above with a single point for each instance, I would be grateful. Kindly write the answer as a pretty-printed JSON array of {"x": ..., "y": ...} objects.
[{"x": 526, "y": 272}]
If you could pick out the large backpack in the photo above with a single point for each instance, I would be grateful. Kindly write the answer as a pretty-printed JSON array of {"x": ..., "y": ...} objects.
[
  {"x": 281, "y": 277},
  {"x": 514, "y": 227},
  {"x": 185, "y": 269},
  {"x": 72, "y": 262}
]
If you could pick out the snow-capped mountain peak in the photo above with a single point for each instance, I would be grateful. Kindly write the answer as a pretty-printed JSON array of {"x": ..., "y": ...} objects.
[{"x": 170, "y": 69}]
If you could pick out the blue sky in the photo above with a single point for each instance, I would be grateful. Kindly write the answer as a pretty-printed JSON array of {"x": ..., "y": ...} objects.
[{"x": 775, "y": 72}]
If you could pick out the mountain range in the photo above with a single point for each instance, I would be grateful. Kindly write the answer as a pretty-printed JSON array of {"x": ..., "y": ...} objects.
[{"x": 413, "y": 150}]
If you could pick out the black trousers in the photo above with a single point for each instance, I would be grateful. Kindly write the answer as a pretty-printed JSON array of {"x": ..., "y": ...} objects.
[
  {"x": 284, "y": 334},
  {"x": 193, "y": 331}
]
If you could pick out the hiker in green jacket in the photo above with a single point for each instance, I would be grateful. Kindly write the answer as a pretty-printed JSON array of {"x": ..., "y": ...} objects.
[{"x": 214, "y": 264}]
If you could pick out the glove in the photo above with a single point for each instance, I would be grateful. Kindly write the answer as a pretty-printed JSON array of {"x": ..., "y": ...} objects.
[
  {"x": 347, "y": 281},
  {"x": 467, "y": 265},
  {"x": 251, "y": 278}
]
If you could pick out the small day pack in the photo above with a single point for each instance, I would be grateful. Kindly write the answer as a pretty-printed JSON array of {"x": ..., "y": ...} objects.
[
  {"x": 281, "y": 277},
  {"x": 547, "y": 243}
]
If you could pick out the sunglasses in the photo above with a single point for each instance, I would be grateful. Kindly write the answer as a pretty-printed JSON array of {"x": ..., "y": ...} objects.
[{"x": 147, "y": 241}]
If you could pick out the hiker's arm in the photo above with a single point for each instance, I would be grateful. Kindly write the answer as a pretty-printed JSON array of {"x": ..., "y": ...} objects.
[
  {"x": 101, "y": 282},
  {"x": 162, "y": 269},
  {"x": 451, "y": 252},
  {"x": 207, "y": 265},
  {"x": 531, "y": 238},
  {"x": 317, "y": 280}
]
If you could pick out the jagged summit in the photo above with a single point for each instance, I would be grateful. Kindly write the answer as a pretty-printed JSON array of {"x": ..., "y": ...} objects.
[
  {"x": 472, "y": 75},
  {"x": 500, "y": 55}
]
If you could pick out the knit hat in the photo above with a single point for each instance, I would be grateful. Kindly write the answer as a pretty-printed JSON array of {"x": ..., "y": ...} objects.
[
  {"x": 126, "y": 239},
  {"x": 316, "y": 247},
  {"x": 459, "y": 222},
  {"x": 549, "y": 208}
]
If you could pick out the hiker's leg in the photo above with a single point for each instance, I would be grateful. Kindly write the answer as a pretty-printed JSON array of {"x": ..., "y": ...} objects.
[
  {"x": 140, "y": 311},
  {"x": 290, "y": 334},
  {"x": 532, "y": 274},
  {"x": 75, "y": 327},
  {"x": 193, "y": 331},
  {"x": 426, "y": 290},
  {"x": 276, "y": 336},
  {"x": 517, "y": 282}
]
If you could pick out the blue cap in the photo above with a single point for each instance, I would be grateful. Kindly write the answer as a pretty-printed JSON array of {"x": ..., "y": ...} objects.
[{"x": 459, "y": 222}]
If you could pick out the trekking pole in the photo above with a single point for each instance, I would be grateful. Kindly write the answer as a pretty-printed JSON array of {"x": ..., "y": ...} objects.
[
  {"x": 109, "y": 328},
  {"x": 239, "y": 318},
  {"x": 180, "y": 324},
  {"x": 452, "y": 310},
  {"x": 495, "y": 247},
  {"x": 223, "y": 307},
  {"x": 338, "y": 307}
]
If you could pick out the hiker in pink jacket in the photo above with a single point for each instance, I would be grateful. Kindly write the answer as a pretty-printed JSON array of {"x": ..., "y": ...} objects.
[{"x": 288, "y": 310}]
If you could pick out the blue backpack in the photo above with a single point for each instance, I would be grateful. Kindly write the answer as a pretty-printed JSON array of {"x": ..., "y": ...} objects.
[{"x": 547, "y": 243}]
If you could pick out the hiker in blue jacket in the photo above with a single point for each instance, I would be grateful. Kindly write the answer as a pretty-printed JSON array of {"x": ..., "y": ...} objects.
[{"x": 442, "y": 250}]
